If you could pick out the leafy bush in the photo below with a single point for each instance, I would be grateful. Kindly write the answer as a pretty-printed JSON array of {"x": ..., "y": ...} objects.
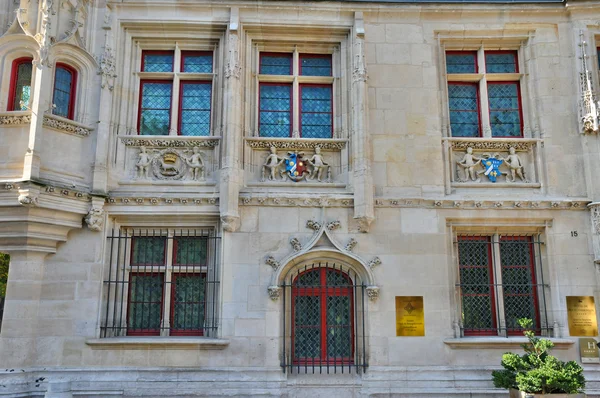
[{"x": 536, "y": 371}]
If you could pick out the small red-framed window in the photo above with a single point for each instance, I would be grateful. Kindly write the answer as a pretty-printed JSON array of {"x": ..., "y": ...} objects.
[
  {"x": 145, "y": 303},
  {"x": 461, "y": 62},
  {"x": 315, "y": 65},
  {"x": 275, "y": 110},
  {"x": 275, "y": 63},
  {"x": 20, "y": 84},
  {"x": 196, "y": 62},
  {"x": 501, "y": 61},
  {"x": 316, "y": 110},
  {"x": 188, "y": 304},
  {"x": 157, "y": 60},
  {"x": 505, "y": 109},
  {"x": 476, "y": 274},
  {"x": 154, "y": 111},
  {"x": 464, "y": 106},
  {"x": 65, "y": 88}
]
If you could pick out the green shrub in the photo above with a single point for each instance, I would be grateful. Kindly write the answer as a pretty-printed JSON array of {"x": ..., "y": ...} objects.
[{"x": 538, "y": 372}]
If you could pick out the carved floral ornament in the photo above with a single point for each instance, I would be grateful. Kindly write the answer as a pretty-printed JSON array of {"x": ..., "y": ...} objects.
[
  {"x": 67, "y": 126},
  {"x": 321, "y": 231},
  {"x": 175, "y": 142},
  {"x": 296, "y": 144}
]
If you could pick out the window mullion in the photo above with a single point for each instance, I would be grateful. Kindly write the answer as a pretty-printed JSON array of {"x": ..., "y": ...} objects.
[
  {"x": 174, "y": 128},
  {"x": 484, "y": 110},
  {"x": 168, "y": 281},
  {"x": 498, "y": 287},
  {"x": 296, "y": 95}
]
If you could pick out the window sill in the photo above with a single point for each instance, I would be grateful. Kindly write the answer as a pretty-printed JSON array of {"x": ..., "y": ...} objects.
[
  {"x": 326, "y": 144},
  {"x": 501, "y": 342},
  {"x": 201, "y": 343},
  {"x": 65, "y": 125}
]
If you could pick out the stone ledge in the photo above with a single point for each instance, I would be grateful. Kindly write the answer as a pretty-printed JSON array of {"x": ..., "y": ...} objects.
[
  {"x": 326, "y": 144},
  {"x": 201, "y": 343},
  {"x": 65, "y": 125},
  {"x": 501, "y": 342}
]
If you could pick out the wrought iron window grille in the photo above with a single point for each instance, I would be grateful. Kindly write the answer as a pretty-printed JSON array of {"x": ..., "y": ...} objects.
[
  {"x": 324, "y": 307},
  {"x": 500, "y": 280},
  {"x": 161, "y": 282}
]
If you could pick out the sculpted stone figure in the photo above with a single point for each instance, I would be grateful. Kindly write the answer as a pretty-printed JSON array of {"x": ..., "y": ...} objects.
[
  {"x": 468, "y": 163},
  {"x": 95, "y": 219},
  {"x": 319, "y": 166},
  {"x": 143, "y": 163},
  {"x": 196, "y": 164},
  {"x": 515, "y": 166},
  {"x": 271, "y": 164}
]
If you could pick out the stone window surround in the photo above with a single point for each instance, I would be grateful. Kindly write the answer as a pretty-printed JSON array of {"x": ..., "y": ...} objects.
[
  {"x": 490, "y": 227},
  {"x": 6, "y": 79},
  {"x": 503, "y": 42}
]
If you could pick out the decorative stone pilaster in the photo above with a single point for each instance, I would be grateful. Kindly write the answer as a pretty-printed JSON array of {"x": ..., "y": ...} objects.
[
  {"x": 231, "y": 173},
  {"x": 363, "y": 180},
  {"x": 595, "y": 218},
  {"x": 588, "y": 108}
]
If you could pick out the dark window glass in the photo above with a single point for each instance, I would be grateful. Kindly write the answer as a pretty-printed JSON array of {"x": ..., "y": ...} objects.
[
  {"x": 461, "y": 62},
  {"x": 464, "y": 110},
  {"x": 190, "y": 251},
  {"x": 316, "y": 111},
  {"x": 315, "y": 65},
  {"x": 155, "y": 112},
  {"x": 188, "y": 304},
  {"x": 505, "y": 113},
  {"x": 275, "y": 64},
  {"x": 63, "y": 84},
  {"x": 157, "y": 62},
  {"x": 195, "y": 109},
  {"x": 148, "y": 250},
  {"x": 501, "y": 62},
  {"x": 145, "y": 304},
  {"x": 275, "y": 110}
]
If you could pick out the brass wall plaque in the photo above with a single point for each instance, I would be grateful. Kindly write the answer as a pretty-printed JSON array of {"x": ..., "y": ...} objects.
[
  {"x": 581, "y": 311},
  {"x": 410, "y": 318},
  {"x": 588, "y": 350}
]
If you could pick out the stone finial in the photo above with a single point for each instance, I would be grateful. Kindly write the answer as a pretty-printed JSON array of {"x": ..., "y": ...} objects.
[
  {"x": 314, "y": 225},
  {"x": 270, "y": 260},
  {"x": 95, "y": 219},
  {"x": 374, "y": 262},
  {"x": 274, "y": 292},
  {"x": 373, "y": 292},
  {"x": 296, "y": 244},
  {"x": 351, "y": 244}
]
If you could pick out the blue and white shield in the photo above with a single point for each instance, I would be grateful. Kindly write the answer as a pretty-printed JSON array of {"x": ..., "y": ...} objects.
[
  {"x": 291, "y": 164},
  {"x": 492, "y": 170}
]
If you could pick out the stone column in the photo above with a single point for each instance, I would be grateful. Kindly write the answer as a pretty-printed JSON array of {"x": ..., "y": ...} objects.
[
  {"x": 361, "y": 159},
  {"x": 231, "y": 172}
]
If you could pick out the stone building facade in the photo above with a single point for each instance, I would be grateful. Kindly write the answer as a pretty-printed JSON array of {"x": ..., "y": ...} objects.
[{"x": 206, "y": 198}]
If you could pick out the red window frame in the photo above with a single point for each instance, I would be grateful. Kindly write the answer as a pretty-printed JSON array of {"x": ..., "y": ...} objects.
[
  {"x": 291, "y": 111},
  {"x": 180, "y": 111},
  {"x": 531, "y": 266},
  {"x": 145, "y": 332},
  {"x": 275, "y": 54},
  {"x": 472, "y": 53},
  {"x": 157, "y": 52},
  {"x": 14, "y": 77},
  {"x": 185, "y": 54},
  {"x": 324, "y": 56},
  {"x": 512, "y": 52},
  {"x": 323, "y": 291},
  {"x": 73, "y": 91},
  {"x": 185, "y": 332},
  {"x": 520, "y": 109},
  {"x": 494, "y": 329},
  {"x": 478, "y": 101},
  {"x": 141, "y": 91},
  {"x": 300, "y": 87}
]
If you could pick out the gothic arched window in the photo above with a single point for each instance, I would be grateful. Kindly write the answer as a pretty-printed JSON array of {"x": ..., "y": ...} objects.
[{"x": 63, "y": 99}]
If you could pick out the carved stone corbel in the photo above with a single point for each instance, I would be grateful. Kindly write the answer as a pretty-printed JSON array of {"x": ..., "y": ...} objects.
[
  {"x": 95, "y": 219},
  {"x": 230, "y": 223},
  {"x": 373, "y": 292},
  {"x": 275, "y": 292}
]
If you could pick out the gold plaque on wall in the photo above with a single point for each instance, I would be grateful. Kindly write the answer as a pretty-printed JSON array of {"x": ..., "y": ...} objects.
[
  {"x": 410, "y": 318},
  {"x": 581, "y": 311}
]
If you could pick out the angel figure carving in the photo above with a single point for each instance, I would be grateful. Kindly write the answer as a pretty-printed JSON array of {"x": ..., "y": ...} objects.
[
  {"x": 515, "y": 166},
  {"x": 468, "y": 163},
  {"x": 196, "y": 164},
  {"x": 271, "y": 165},
  {"x": 143, "y": 163}
]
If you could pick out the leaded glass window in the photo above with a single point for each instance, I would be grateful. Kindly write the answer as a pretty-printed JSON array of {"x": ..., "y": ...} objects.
[
  {"x": 501, "y": 62},
  {"x": 20, "y": 93},
  {"x": 157, "y": 61},
  {"x": 145, "y": 303},
  {"x": 316, "y": 111},
  {"x": 195, "y": 108},
  {"x": 155, "y": 112},
  {"x": 188, "y": 304},
  {"x": 463, "y": 101},
  {"x": 461, "y": 62},
  {"x": 315, "y": 65},
  {"x": 64, "y": 91},
  {"x": 275, "y": 64},
  {"x": 505, "y": 112},
  {"x": 275, "y": 110},
  {"x": 196, "y": 62}
]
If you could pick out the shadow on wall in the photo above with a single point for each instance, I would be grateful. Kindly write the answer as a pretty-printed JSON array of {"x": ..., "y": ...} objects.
[{"x": 4, "y": 261}]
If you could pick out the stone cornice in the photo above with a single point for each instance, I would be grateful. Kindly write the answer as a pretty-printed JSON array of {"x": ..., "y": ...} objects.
[
  {"x": 66, "y": 125},
  {"x": 296, "y": 143},
  {"x": 493, "y": 144},
  {"x": 49, "y": 189},
  {"x": 160, "y": 201},
  {"x": 169, "y": 141}
]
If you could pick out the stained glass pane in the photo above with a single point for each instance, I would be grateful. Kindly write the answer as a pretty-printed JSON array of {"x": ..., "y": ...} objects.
[
  {"x": 148, "y": 250},
  {"x": 311, "y": 278},
  {"x": 63, "y": 79},
  {"x": 505, "y": 116},
  {"x": 517, "y": 281},
  {"x": 195, "y": 109},
  {"x": 316, "y": 111},
  {"x": 188, "y": 302},
  {"x": 275, "y": 110},
  {"x": 339, "y": 327},
  {"x": 190, "y": 250},
  {"x": 22, "y": 86},
  {"x": 145, "y": 302},
  {"x": 337, "y": 278},
  {"x": 501, "y": 62},
  {"x": 315, "y": 65},
  {"x": 307, "y": 327},
  {"x": 276, "y": 64},
  {"x": 197, "y": 63},
  {"x": 464, "y": 110},
  {"x": 158, "y": 62},
  {"x": 461, "y": 62},
  {"x": 156, "y": 108},
  {"x": 476, "y": 287}
]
